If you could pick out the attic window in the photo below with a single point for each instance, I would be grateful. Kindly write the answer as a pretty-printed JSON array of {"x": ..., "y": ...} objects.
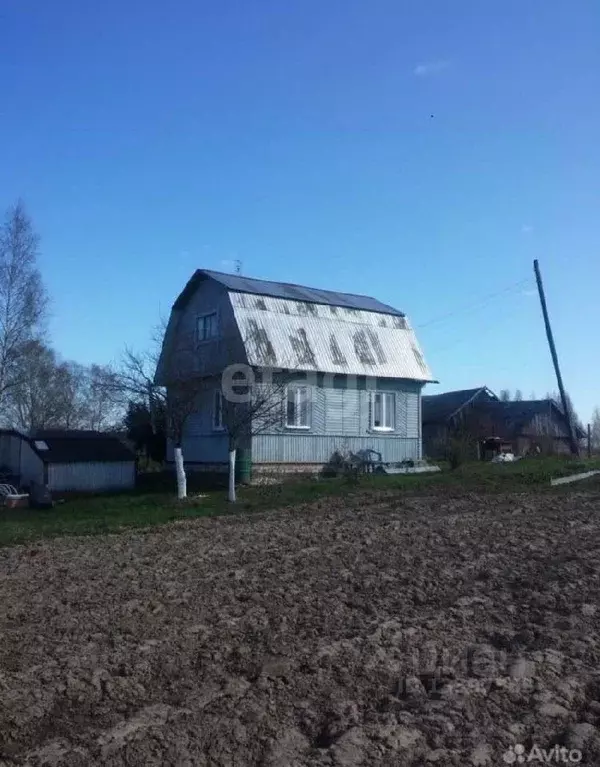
[
  {"x": 40, "y": 444},
  {"x": 207, "y": 326}
]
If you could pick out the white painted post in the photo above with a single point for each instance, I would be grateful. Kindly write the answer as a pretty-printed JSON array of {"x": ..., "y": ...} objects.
[
  {"x": 180, "y": 472},
  {"x": 232, "y": 496}
]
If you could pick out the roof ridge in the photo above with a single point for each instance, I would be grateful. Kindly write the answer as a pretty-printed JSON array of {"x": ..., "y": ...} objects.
[{"x": 289, "y": 284}]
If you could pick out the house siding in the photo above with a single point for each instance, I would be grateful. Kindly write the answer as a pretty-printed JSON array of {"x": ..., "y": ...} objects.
[
  {"x": 201, "y": 443},
  {"x": 341, "y": 420},
  {"x": 318, "y": 449}
]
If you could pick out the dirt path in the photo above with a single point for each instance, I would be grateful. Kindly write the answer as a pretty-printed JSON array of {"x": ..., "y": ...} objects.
[{"x": 396, "y": 632}]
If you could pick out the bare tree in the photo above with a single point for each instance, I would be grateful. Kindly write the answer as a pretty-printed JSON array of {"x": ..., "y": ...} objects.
[
  {"x": 133, "y": 380},
  {"x": 23, "y": 299},
  {"x": 36, "y": 398},
  {"x": 50, "y": 393},
  {"x": 505, "y": 395},
  {"x": 96, "y": 404},
  {"x": 518, "y": 395}
]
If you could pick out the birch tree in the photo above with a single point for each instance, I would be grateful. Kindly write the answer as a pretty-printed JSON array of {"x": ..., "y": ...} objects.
[{"x": 23, "y": 299}]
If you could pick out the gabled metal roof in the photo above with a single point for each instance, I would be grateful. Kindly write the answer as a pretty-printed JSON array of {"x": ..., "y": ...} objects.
[
  {"x": 328, "y": 338},
  {"x": 285, "y": 290}
]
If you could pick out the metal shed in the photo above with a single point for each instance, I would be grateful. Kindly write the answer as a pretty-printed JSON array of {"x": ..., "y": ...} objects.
[{"x": 68, "y": 460}]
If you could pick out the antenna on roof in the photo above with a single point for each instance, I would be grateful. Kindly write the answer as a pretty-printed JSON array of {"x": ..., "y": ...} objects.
[{"x": 238, "y": 266}]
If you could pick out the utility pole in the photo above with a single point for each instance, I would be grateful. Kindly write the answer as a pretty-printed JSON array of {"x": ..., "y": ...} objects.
[{"x": 568, "y": 415}]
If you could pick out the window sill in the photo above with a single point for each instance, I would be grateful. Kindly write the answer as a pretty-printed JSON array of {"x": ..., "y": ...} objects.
[
  {"x": 300, "y": 428},
  {"x": 386, "y": 429},
  {"x": 218, "y": 429}
]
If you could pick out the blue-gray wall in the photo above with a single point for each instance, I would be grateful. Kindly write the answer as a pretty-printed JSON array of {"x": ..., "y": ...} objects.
[
  {"x": 181, "y": 349},
  {"x": 340, "y": 420},
  {"x": 201, "y": 442}
]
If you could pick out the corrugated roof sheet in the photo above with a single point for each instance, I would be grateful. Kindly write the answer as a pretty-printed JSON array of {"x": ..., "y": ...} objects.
[
  {"x": 299, "y": 335},
  {"x": 285, "y": 290}
]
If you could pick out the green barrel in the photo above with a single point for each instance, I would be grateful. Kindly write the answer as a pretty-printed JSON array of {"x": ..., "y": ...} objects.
[{"x": 243, "y": 466}]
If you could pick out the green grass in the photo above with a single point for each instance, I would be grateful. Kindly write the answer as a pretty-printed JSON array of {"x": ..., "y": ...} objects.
[{"x": 114, "y": 513}]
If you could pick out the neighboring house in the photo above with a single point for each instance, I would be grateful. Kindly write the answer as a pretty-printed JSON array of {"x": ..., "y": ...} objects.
[
  {"x": 446, "y": 414},
  {"x": 352, "y": 366},
  {"x": 478, "y": 414},
  {"x": 67, "y": 460},
  {"x": 532, "y": 424}
]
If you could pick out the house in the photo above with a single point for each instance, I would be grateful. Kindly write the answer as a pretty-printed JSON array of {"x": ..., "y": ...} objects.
[
  {"x": 532, "y": 425},
  {"x": 524, "y": 425},
  {"x": 352, "y": 367},
  {"x": 67, "y": 460},
  {"x": 445, "y": 414}
]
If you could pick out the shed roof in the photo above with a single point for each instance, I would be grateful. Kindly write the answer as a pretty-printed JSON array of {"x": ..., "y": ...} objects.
[
  {"x": 437, "y": 408},
  {"x": 72, "y": 446},
  {"x": 241, "y": 284}
]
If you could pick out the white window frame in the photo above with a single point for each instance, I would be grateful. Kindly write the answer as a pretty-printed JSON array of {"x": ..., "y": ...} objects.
[
  {"x": 215, "y": 326},
  {"x": 387, "y": 409},
  {"x": 297, "y": 400},
  {"x": 218, "y": 424}
]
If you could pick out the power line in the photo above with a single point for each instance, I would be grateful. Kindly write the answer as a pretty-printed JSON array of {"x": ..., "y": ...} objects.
[
  {"x": 482, "y": 330},
  {"x": 482, "y": 302}
]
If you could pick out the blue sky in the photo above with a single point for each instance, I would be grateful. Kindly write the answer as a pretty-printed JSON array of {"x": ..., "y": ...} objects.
[{"x": 421, "y": 152}]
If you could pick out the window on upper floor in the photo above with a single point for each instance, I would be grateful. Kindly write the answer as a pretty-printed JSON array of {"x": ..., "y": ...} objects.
[
  {"x": 297, "y": 407},
  {"x": 207, "y": 326},
  {"x": 383, "y": 411}
]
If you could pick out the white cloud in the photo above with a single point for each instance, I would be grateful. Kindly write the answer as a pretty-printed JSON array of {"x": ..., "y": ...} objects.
[
  {"x": 527, "y": 229},
  {"x": 429, "y": 68},
  {"x": 530, "y": 292}
]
